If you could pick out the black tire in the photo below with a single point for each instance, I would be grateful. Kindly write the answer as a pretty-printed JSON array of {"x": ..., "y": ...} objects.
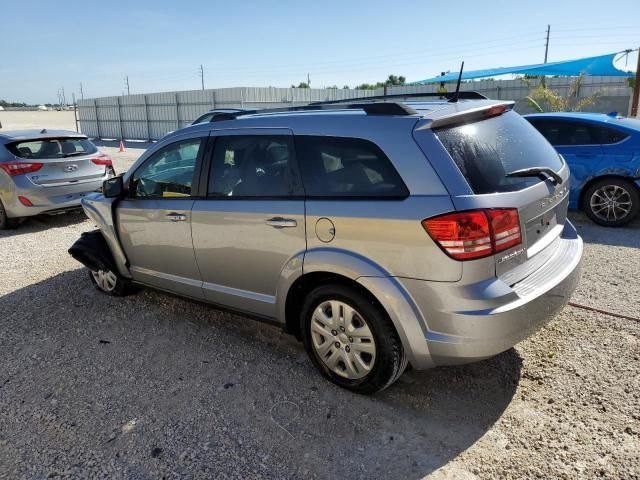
[
  {"x": 590, "y": 196},
  {"x": 121, "y": 286},
  {"x": 390, "y": 359},
  {"x": 5, "y": 222}
]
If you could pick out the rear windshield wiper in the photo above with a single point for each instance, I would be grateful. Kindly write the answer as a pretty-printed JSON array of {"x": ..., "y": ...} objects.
[
  {"x": 542, "y": 172},
  {"x": 74, "y": 154}
]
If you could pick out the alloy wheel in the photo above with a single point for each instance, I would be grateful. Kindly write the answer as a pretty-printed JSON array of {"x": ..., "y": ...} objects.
[
  {"x": 105, "y": 280},
  {"x": 342, "y": 339},
  {"x": 611, "y": 203}
]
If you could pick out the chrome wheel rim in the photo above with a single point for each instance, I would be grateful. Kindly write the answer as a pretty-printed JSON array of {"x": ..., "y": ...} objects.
[
  {"x": 611, "y": 203},
  {"x": 342, "y": 339},
  {"x": 105, "y": 280}
]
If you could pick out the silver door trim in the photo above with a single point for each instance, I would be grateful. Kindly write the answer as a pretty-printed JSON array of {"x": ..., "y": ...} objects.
[
  {"x": 166, "y": 276},
  {"x": 237, "y": 292}
]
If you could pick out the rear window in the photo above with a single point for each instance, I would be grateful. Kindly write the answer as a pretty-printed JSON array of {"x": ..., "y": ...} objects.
[
  {"x": 487, "y": 150},
  {"x": 52, "y": 148}
]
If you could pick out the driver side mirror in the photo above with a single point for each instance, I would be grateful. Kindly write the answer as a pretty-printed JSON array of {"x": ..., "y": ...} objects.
[{"x": 113, "y": 187}]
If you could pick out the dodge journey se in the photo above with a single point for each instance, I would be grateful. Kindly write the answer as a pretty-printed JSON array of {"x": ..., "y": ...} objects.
[{"x": 380, "y": 233}]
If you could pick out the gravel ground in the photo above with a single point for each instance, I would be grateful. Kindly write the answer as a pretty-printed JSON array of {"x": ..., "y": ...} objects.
[{"x": 154, "y": 386}]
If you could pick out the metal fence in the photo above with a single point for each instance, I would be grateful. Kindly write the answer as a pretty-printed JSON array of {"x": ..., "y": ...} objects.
[{"x": 151, "y": 116}]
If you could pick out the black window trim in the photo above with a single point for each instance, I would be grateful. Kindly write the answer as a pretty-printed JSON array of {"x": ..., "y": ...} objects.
[
  {"x": 533, "y": 121},
  {"x": 197, "y": 171}
]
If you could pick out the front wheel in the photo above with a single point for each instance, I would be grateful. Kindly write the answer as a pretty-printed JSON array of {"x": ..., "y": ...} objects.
[
  {"x": 611, "y": 202},
  {"x": 351, "y": 340},
  {"x": 109, "y": 283}
]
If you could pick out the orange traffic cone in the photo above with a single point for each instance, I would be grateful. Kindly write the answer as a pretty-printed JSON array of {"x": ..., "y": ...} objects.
[{"x": 122, "y": 149}]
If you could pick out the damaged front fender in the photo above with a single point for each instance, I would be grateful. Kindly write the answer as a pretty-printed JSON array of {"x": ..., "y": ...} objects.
[{"x": 101, "y": 211}]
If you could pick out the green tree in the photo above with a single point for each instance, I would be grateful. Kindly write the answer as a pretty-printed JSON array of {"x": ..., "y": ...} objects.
[
  {"x": 301, "y": 85},
  {"x": 391, "y": 81}
]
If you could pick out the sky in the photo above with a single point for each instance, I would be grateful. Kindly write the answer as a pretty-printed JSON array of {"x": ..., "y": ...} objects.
[{"x": 160, "y": 44}]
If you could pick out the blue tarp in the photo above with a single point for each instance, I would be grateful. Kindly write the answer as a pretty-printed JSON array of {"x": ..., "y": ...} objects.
[{"x": 601, "y": 65}]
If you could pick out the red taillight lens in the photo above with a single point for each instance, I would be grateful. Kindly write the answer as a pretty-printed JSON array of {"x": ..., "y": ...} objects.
[
  {"x": 463, "y": 235},
  {"x": 475, "y": 234},
  {"x": 19, "y": 168},
  {"x": 103, "y": 159},
  {"x": 505, "y": 228}
]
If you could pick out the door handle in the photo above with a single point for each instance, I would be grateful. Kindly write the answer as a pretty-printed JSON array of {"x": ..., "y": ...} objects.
[
  {"x": 279, "y": 222},
  {"x": 176, "y": 217}
]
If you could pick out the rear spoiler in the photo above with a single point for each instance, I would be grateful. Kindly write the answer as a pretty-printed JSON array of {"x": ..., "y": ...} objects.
[{"x": 469, "y": 115}]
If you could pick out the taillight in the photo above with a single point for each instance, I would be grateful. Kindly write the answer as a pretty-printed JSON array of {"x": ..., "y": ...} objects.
[
  {"x": 476, "y": 233},
  {"x": 505, "y": 228},
  {"x": 103, "y": 159},
  {"x": 19, "y": 168}
]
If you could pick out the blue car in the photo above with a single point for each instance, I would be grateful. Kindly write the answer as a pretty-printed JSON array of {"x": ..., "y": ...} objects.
[{"x": 603, "y": 153}]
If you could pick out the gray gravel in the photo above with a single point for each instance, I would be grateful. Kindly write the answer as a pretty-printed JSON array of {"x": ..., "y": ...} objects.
[
  {"x": 156, "y": 386},
  {"x": 153, "y": 385}
]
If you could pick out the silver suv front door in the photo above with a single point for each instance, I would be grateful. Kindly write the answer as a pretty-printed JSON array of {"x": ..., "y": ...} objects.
[{"x": 154, "y": 221}]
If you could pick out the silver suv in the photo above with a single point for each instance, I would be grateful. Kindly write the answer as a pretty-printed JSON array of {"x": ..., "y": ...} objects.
[{"x": 379, "y": 233}]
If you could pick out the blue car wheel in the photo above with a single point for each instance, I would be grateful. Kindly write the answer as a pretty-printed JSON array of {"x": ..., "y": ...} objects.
[{"x": 611, "y": 202}]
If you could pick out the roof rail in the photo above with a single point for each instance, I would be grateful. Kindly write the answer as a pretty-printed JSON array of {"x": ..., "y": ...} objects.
[
  {"x": 372, "y": 108},
  {"x": 468, "y": 95}
]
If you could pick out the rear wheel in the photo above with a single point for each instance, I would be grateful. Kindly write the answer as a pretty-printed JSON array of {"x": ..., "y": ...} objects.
[
  {"x": 351, "y": 340},
  {"x": 109, "y": 282},
  {"x": 6, "y": 222},
  {"x": 611, "y": 202}
]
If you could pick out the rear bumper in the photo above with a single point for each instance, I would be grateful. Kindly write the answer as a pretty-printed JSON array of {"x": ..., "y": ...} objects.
[
  {"x": 47, "y": 199},
  {"x": 467, "y": 323}
]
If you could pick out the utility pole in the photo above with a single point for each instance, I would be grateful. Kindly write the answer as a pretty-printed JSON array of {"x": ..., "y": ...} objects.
[
  {"x": 202, "y": 76},
  {"x": 308, "y": 80},
  {"x": 126, "y": 84},
  {"x": 546, "y": 44},
  {"x": 636, "y": 90},
  {"x": 75, "y": 112},
  {"x": 64, "y": 98},
  {"x": 81, "y": 92}
]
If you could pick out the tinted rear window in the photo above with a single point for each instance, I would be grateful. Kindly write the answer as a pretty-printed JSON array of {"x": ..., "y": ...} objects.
[
  {"x": 52, "y": 148},
  {"x": 487, "y": 150}
]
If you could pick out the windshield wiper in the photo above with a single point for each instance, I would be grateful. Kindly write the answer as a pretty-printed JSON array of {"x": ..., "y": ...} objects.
[
  {"x": 74, "y": 154},
  {"x": 542, "y": 172}
]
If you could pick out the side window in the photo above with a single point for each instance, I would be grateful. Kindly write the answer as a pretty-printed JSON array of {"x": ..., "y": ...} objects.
[
  {"x": 169, "y": 172},
  {"x": 253, "y": 166},
  {"x": 567, "y": 133},
  {"x": 346, "y": 167},
  {"x": 609, "y": 135}
]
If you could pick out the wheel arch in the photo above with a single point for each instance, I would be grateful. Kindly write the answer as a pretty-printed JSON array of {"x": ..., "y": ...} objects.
[{"x": 325, "y": 265}]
